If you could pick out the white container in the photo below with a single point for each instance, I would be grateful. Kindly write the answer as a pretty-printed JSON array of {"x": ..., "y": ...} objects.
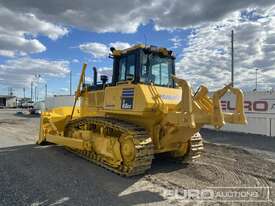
[
  {"x": 259, "y": 110},
  {"x": 59, "y": 101}
]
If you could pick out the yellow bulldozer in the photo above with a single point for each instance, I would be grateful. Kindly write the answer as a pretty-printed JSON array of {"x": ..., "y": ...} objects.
[{"x": 143, "y": 111}]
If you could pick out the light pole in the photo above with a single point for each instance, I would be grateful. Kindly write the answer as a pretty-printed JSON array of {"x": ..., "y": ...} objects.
[
  {"x": 24, "y": 92},
  {"x": 35, "y": 88},
  {"x": 46, "y": 90},
  {"x": 31, "y": 90},
  {"x": 232, "y": 58},
  {"x": 71, "y": 83},
  {"x": 256, "y": 83},
  {"x": 37, "y": 79}
]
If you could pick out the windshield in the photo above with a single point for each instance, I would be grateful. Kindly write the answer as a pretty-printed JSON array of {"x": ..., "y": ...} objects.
[{"x": 157, "y": 70}]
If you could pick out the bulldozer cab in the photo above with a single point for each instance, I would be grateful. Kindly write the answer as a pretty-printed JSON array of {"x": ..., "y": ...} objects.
[{"x": 145, "y": 65}]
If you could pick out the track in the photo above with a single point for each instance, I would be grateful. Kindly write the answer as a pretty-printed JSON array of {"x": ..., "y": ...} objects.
[
  {"x": 195, "y": 149},
  {"x": 143, "y": 148}
]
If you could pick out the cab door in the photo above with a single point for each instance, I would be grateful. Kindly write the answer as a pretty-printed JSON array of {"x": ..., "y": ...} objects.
[{"x": 127, "y": 68}]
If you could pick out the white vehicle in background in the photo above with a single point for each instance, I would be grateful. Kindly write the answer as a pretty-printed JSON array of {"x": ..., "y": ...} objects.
[
  {"x": 37, "y": 107},
  {"x": 27, "y": 104}
]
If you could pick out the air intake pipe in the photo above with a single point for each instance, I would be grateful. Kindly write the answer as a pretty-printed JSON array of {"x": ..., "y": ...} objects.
[{"x": 95, "y": 76}]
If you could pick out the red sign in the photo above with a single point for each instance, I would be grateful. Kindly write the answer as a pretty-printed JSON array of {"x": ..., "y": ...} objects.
[{"x": 250, "y": 106}]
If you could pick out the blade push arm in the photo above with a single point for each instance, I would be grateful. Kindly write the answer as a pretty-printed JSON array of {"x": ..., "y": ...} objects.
[{"x": 201, "y": 109}]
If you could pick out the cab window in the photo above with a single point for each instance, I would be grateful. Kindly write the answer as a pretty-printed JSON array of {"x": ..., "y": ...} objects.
[
  {"x": 127, "y": 67},
  {"x": 156, "y": 70},
  {"x": 122, "y": 69},
  {"x": 131, "y": 64}
]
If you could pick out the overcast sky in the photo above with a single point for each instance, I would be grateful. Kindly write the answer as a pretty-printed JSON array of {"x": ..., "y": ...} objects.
[{"x": 52, "y": 37}]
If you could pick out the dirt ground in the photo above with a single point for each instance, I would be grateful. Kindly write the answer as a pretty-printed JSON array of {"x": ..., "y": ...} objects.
[{"x": 49, "y": 175}]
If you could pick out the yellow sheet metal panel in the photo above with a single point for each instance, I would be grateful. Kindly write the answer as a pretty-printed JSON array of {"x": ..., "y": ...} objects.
[
  {"x": 116, "y": 98},
  {"x": 140, "y": 98},
  {"x": 95, "y": 98},
  {"x": 157, "y": 95}
]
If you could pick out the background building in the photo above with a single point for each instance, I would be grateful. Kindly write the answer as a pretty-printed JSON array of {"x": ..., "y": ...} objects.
[{"x": 7, "y": 101}]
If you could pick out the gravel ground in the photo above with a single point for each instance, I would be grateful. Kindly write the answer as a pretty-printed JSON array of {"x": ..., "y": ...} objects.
[{"x": 49, "y": 175}]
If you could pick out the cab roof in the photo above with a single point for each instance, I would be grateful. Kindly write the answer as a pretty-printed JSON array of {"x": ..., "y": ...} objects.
[{"x": 147, "y": 48}]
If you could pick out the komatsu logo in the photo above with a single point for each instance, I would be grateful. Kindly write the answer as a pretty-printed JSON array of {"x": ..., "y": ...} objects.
[
  {"x": 128, "y": 92},
  {"x": 127, "y": 98}
]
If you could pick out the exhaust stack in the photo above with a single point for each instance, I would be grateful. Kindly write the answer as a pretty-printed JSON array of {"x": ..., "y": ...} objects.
[{"x": 95, "y": 76}]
